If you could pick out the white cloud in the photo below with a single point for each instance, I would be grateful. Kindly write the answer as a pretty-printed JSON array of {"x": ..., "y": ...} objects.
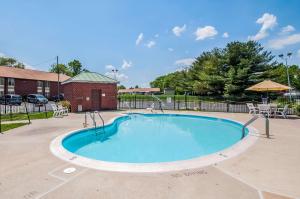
[
  {"x": 184, "y": 62},
  {"x": 225, "y": 35},
  {"x": 139, "y": 39},
  {"x": 109, "y": 67},
  {"x": 150, "y": 44},
  {"x": 28, "y": 66},
  {"x": 126, "y": 64},
  {"x": 205, "y": 32},
  {"x": 156, "y": 36},
  {"x": 284, "y": 41},
  {"x": 287, "y": 29},
  {"x": 267, "y": 21},
  {"x": 119, "y": 76},
  {"x": 177, "y": 30},
  {"x": 170, "y": 49}
]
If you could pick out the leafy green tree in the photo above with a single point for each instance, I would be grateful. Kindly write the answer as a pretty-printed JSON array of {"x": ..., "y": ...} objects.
[
  {"x": 279, "y": 74},
  {"x": 121, "y": 87},
  {"x": 60, "y": 68},
  {"x": 247, "y": 64},
  {"x": 75, "y": 67},
  {"x": 225, "y": 72},
  {"x": 6, "y": 61}
]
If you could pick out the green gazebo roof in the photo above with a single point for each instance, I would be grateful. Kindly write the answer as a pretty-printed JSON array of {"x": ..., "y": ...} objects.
[{"x": 90, "y": 77}]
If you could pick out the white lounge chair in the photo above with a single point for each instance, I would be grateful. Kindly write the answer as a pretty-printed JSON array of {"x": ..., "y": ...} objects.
[
  {"x": 282, "y": 111},
  {"x": 64, "y": 110},
  {"x": 252, "y": 108},
  {"x": 56, "y": 112},
  {"x": 264, "y": 109}
]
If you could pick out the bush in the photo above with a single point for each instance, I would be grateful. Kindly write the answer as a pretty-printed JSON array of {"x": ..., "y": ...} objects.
[
  {"x": 297, "y": 109},
  {"x": 65, "y": 104}
]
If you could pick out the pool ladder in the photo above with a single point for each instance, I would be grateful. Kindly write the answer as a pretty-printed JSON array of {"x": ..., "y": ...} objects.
[
  {"x": 160, "y": 103},
  {"x": 93, "y": 117},
  {"x": 255, "y": 117}
]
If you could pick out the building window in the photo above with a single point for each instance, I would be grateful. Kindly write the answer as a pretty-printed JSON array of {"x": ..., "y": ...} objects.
[
  {"x": 10, "y": 85},
  {"x": 40, "y": 87},
  {"x": 47, "y": 89},
  {"x": 1, "y": 86}
]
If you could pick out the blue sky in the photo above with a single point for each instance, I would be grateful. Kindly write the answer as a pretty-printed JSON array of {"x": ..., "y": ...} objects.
[{"x": 104, "y": 34}]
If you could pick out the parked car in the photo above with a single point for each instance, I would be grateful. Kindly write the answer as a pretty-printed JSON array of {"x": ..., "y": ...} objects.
[
  {"x": 57, "y": 98},
  {"x": 11, "y": 99},
  {"x": 37, "y": 99}
]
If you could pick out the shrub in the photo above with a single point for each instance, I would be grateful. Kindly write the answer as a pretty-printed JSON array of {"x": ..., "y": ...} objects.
[
  {"x": 297, "y": 109},
  {"x": 66, "y": 104}
]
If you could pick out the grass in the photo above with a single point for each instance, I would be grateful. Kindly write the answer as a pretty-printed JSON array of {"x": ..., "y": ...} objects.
[
  {"x": 6, "y": 127},
  {"x": 23, "y": 116}
]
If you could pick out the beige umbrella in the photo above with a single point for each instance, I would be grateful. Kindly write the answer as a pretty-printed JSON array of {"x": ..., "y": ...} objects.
[{"x": 268, "y": 85}]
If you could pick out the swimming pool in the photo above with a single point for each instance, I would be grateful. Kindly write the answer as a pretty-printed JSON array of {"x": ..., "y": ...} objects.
[{"x": 154, "y": 138}]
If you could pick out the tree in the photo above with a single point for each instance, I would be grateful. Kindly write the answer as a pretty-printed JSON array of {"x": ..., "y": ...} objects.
[
  {"x": 6, "y": 61},
  {"x": 278, "y": 74},
  {"x": 60, "y": 68},
  {"x": 136, "y": 86},
  {"x": 121, "y": 87},
  {"x": 225, "y": 72},
  {"x": 75, "y": 67},
  {"x": 247, "y": 64}
]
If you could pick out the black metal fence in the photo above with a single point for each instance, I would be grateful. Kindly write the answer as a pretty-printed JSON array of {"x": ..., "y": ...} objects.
[{"x": 186, "y": 103}]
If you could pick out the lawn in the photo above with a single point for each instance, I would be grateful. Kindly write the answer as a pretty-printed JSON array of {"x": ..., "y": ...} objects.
[
  {"x": 23, "y": 116},
  {"x": 6, "y": 127}
]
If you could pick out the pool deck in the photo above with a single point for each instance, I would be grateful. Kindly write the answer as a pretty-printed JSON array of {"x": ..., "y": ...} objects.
[{"x": 269, "y": 169}]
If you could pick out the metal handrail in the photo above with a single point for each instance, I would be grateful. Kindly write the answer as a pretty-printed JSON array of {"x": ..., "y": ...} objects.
[
  {"x": 159, "y": 102},
  {"x": 267, "y": 125},
  {"x": 101, "y": 119}
]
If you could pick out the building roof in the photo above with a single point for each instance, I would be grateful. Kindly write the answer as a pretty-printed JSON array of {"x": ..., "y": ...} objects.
[
  {"x": 139, "y": 90},
  {"x": 19, "y": 73},
  {"x": 91, "y": 77}
]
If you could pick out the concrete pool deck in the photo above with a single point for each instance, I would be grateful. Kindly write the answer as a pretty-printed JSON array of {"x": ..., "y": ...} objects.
[{"x": 268, "y": 169}]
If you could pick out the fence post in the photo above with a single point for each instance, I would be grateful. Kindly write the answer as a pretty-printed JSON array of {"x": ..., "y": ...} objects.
[
  {"x": 227, "y": 108},
  {"x": 185, "y": 101},
  {"x": 10, "y": 112},
  {"x": 135, "y": 101},
  {"x": 174, "y": 99},
  {"x": 199, "y": 103}
]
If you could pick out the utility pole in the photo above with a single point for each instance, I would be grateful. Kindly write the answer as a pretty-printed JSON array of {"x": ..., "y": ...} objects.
[
  {"x": 58, "y": 92},
  {"x": 286, "y": 57}
]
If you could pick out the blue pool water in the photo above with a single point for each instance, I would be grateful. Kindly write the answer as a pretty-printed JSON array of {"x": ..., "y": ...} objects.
[{"x": 154, "y": 138}]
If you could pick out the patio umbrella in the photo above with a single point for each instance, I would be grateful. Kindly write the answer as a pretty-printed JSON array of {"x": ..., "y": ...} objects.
[{"x": 267, "y": 86}]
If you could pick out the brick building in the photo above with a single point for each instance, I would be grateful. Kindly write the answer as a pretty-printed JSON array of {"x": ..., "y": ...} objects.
[
  {"x": 25, "y": 81},
  {"x": 91, "y": 91}
]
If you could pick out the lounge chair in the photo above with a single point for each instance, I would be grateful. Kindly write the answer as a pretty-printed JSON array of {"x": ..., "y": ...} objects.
[
  {"x": 282, "y": 111},
  {"x": 252, "y": 108},
  {"x": 264, "y": 109},
  {"x": 64, "y": 110},
  {"x": 56, "y": 112}
]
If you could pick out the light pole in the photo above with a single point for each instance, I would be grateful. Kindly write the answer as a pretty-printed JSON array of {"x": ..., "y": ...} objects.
[
  {"x": 286, "y": 57},
  {"x": 115, "y": 71}
]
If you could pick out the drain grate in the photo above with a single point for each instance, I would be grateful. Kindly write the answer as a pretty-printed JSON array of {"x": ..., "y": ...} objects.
[{"x": 69, "y": 170}]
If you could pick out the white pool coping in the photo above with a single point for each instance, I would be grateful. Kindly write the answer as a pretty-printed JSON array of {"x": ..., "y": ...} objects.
[{"x": 58, "y": 150}]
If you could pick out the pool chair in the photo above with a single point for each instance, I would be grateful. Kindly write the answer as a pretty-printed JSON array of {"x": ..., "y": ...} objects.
[
  {"x": 64, "y": 110},
  {"x": 56, "y": 112},
  {"x": 264, "y": 109},
  {"x": 282, "y": 111},
  {"x": 252, "y": 108}
]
